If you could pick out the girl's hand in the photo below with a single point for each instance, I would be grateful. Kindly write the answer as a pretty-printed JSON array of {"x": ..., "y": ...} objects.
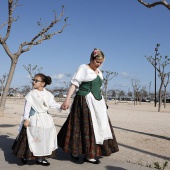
[{"x": 26, "y": 123}]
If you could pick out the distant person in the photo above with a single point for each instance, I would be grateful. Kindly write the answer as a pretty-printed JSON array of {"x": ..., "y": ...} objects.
[
  {"x": 37, "y": 138},
  {"x": 88, "y": 129}
]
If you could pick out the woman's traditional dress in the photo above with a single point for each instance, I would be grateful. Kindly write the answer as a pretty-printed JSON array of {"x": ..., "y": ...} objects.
[
  {"x": 88, "y": 129},
  {"x": 40, "y": 137}
]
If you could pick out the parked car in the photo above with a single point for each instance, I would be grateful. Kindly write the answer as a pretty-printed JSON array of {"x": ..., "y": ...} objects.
[
  {"x": 11, "y": 94},
  {"x": 167, "y": 100},
  {"x": 145, "y": 100}
]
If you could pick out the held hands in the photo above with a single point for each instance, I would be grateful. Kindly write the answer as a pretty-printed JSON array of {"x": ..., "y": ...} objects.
[
  {"x": 26, "y": 123},
  {"x": 65, "y": 105}
]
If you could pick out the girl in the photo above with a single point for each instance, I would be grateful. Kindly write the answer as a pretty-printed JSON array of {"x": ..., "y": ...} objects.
[{"x": 37, "y": 138}]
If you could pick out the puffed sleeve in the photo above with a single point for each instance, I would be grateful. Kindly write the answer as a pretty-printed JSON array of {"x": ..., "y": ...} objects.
[{"x": 79, "y": 75}]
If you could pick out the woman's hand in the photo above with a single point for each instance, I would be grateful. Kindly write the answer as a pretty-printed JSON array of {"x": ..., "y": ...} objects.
[
  {"x": 26, "y": 123},
  {"x": 65, "y": 105}
]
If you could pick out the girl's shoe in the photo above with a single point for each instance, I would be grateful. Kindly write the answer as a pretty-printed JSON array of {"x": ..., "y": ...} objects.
[
  {"x": 23, "y": 160},
  {"x": 75, "y": 158},
  {"x": 44, "y": 162}
]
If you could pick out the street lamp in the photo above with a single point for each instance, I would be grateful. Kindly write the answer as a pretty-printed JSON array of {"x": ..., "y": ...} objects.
[
  {"x": 150, "y": 91},
  {"x": 156, "y": 53}
]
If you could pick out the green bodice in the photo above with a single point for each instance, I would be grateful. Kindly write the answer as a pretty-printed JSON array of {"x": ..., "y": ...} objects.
[{"x": 91, "y": 86}]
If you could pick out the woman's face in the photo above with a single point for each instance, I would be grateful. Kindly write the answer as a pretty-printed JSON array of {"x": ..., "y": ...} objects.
[
  {"x": 97, "y": 62},
  {"x": 37, "y": 83}
]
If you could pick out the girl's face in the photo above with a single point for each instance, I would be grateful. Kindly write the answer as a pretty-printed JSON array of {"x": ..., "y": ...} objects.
[
  {"x": 38, "y": 83},
  {"x": 97, "y": 62}
]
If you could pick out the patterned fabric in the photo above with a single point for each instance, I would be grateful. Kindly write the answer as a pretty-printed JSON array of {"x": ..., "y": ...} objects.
[
  {"x": 77, "y": 134},
  {"x": 21, "y": 148}
]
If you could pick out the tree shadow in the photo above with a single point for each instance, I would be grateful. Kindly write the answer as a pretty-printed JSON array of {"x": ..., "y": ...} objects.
[
  {"x": 143, "y": 133},
  {"x": 145, "y": 152},
  {"x": 7, "y": 125},
  {"x": 114, "y": 168}
]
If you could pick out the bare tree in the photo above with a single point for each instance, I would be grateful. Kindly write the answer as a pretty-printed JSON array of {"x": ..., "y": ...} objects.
[
  {"x": 25, "y": 89},
  {"x": 59, "y": 91},
  {"x": 143, "y": 93},
  {"x": 129, "y": 94},
  {"x": 136, "y": 86},
  {"x": 150, "y": 5},
  {"x": 109, "y": 75},
  {"x": 25, "y": 46},
  {"x": 121, "y": 95},
  {"x": 67, "y": 83},
  {"x": 111, "y": 93},
  {"x": 160, "y": 64},
  {"x": 32, "y": 71},
  {"x": 13, "y": 92}
]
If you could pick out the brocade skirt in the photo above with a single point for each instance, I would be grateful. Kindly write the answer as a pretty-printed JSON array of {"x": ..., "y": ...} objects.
[
  {"x": 77, "y": 134},
  {"x": 21, "y": 149}
]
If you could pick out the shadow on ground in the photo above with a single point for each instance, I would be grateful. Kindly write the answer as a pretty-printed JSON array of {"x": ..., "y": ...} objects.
[
  {"x": 114, "y": 168},
  {"x": 65, "y": 156},
  {"x": 5, "y": 145}
]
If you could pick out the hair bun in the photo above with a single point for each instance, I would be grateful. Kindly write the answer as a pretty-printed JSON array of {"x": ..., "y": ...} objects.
[{"x": 48, "y": 80}]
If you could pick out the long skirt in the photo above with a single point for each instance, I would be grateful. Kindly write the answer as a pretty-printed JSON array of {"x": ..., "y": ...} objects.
[
  {"x": 77, "y": 134},
  {"x": 21, "y": 149}
]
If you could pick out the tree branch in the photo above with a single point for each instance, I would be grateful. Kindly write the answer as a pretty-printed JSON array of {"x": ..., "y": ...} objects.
[
  {"x": 163, "y": 2},
  {"x": 43, "y": 34}
]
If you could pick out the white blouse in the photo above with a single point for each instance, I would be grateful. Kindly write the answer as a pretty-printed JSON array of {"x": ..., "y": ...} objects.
[
  {"x": 52, "y": 104},
  {"x": 84, "y": 74}
]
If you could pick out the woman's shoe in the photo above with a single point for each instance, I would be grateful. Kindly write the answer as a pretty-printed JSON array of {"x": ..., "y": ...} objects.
[
  {"x": 75, "y": 158},
  {"x": 93, "y": 162},
  {"x": 23, "y": 160},
  {"x": 44, "y": 162}
]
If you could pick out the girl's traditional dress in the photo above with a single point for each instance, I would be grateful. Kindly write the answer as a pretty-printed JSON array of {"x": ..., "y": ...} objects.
[
  {"x": 40, "y": 137},
  {"x": 88, "y": 129}
]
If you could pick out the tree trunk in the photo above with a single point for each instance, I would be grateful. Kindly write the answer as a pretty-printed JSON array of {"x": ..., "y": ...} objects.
[
  {"x": 134, "y": 98},
  {"x": 6, "y": 89},
  {"x": 160, "y": 96},
  {"x": 2, "y": 89},
  {"x": 165, "y": 98},
  {"x": 105, "y": 92}
]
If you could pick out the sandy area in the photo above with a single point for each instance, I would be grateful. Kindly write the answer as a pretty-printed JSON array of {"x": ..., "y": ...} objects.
[{"x": 143, "y": 133}]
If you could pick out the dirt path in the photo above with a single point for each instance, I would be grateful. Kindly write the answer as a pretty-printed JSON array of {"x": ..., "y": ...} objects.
[{"x": 143, "y": 133}]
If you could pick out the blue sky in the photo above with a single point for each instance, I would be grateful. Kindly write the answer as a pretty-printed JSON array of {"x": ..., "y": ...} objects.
[{"x": 124, "y": 30}]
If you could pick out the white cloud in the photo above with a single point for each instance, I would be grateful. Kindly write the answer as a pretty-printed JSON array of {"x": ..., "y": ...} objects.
[
  {"x": 58, "y": 76},
  {"x": 126, "y": 75},
  {"x": 122, "y": 84},
  {"x": 58, "y": 84}
]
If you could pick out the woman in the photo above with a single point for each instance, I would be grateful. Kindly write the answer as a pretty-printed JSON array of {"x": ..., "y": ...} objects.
[
  {"x": 37, "y": 138},
  {"x": 87, "y": 129}
]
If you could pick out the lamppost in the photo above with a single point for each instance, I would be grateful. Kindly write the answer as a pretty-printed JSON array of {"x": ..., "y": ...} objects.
[
  {"x": 156, "y": 53},
  {"x": 150, "y": 91}
]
